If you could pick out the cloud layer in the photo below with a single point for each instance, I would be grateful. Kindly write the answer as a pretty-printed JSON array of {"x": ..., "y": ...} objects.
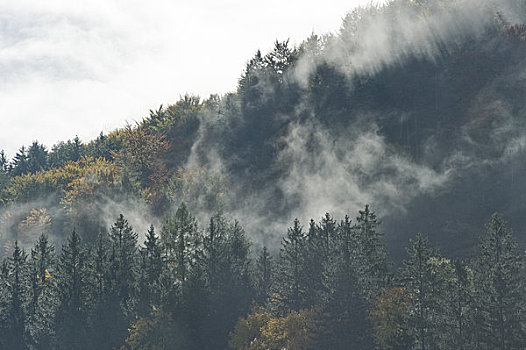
[{"x": 67, "y": 69}]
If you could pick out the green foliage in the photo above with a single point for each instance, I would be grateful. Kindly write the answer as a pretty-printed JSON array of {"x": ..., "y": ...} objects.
[
  {"x": 42, "y": 295},
  {"x": 155, "y": 332},
  {"x": 65, "y": 152},
  {"x": 74, "y": 287},
  {"x": 499, "y": 286},
  {"x": 389, "y": 316},
  {"x": 292, "y": 275},
  {"x": 261, "y": 331},
  {"x": 17, "y": 298},
  {"x": 181, "y": 241}
]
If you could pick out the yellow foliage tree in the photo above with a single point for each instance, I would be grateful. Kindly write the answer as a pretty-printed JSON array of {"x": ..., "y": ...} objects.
[
  {"x": 389, "y": 316},
  {"x": 261, "y": 331},
  {"x": 155, "y": 332}
]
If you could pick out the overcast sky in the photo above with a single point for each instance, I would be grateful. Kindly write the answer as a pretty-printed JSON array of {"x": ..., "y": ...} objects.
[{"x": 68, "y": 69}]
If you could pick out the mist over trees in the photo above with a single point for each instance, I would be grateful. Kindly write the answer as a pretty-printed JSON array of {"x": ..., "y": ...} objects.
[
  {"x": 329, "y": 286},
  {"x": 190, "y": 227}
]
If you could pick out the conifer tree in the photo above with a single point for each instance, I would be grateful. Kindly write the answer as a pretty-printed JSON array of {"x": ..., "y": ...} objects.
[
  {"x": 124, "y": 257},
  {"x": 264, "y": 276},
  {"x": 74, "y": 286},
  {"x": 499, "y": 286},
  {"x": 4, "y": 301},
  {"x": 315, "y": 259},
  {"x": 292, "y": 276},
  {"x": 232, "y": 293},
  {"x": 115, "y": 277},
  {"x": 416, "y": 277},
  {"x": 180, "y": 240},
  {"x": 344, "y": 298},
  {"x": 150, "y": 270},
  {"x": 43, "y": 294},
  {"x": 458, "y": 333},
  {"x": 16, "y": 336},
  {"x": 37, "y": 157},
  {"x": 20, "y": 164},
  {"x": 373, "y": 265}
]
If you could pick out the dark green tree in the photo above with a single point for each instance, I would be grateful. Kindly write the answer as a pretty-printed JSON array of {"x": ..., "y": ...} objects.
[
  {"x": 149, "y": 274},
  {"x": 20, "y": 163},
  {"x": 344, "y": 298},
  {"x": 4, "y": 301},
  {"x": 373, "y": 266},
  {"x": 416, "y": 275},
  {"x": 17, "y": 298},
  {"x": 115, "y": 270},
  {"x": 4, "y": 170},
  {"x": 499, "y": 286},
  {"x": 63, "y": 152},
  {"x": 265, "y": 275},
  {"x": 75, "y": 292},
  {"x": 180, "y": 240},
  {"x": 37, "y": 157},
  {"x": 124, "y": 257},
  {"x": 230, "y": 289},
  {"x": 42, "y": 295},
  {"x": 459, "y": 300},
  {"x": 292, "y": 275}
]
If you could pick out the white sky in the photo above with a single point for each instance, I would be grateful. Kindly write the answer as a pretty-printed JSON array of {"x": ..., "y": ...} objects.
[{"x": 68, "y": 69}]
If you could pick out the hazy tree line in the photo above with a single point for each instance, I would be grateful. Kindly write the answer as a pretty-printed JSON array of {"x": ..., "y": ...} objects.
[{"x": 330, "y": 286}]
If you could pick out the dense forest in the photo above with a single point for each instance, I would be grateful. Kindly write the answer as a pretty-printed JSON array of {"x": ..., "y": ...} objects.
[
  {"x": 189, "y": 229},
  {"x": 330, "y": 287}
]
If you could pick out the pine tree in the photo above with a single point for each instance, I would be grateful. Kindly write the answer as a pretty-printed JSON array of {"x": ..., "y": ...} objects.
[
  {"x": 4, "y": 170},
  {"x": 106, "y": 308},
  {"x": 124, "y": 257},
  {"x": 182, "y": 280},
  {"x": 292, "y": 275},
  {"x": 264, "y": 276},
  {"x": 150, "y": 270},
  {"x": 344, "y": 299},
  {"x": 20, "y": 164},
  {"x": 416, "y": 277},
  {"x": 460, "y": 309},
  {"x": 115, "y": 279},
  {"x": 373, "y": 266},
  {"x": 73, "y": 279},
  {"x": 315, "y": 259},
  {"x": 499, "y": 285},
  {"x": 180, "y": 240},
  {"x": 43, "y": 295},
  {"x": 4, "y": 301},
  {"x": 231, "y": 294},
  {"x": 37, "y": 157},
  {"x": 15, "y": 338}
]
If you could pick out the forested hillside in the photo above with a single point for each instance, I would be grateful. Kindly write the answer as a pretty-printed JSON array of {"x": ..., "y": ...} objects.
[{"x": 190, "y": 228}]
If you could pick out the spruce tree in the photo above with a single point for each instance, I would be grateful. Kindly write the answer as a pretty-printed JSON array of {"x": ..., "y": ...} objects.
[
  {"x": 180, "y": 240},
  {"x": 344, "y": 298},
  {"x": 232, "y": 293},
  {"x": 17, "y": 298},
  {"x": 416, "y": 278},
  {"x": 292, "y": 276},
  {"x": 74, "y": 286},
  {"x": 315, "y": 258},
  {"x": 499, "y": 286},
  {"x": 43, "y": 294},
  {"x": 149, "y": 274},
  {"x": 124, "y": 244},
  {"x": 372, "y": 254},
  {"x": 4, "y": 301},
  {"x": 264, "y": 276},
  {"x": 458, "y": 333}
]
